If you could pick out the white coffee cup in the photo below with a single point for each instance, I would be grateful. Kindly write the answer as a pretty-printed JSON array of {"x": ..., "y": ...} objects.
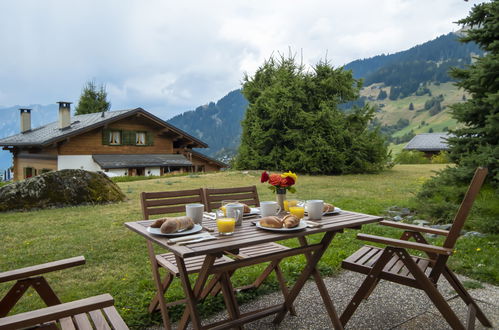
[
  {"x": 315, "y": 209},
  {"x": 269, "y": 208},
  {"x": 195, "y": 212},
  {"x": 235, "y": 210}
]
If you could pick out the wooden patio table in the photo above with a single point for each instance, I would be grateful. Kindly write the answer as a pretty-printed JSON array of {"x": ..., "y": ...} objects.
[{"x": 246, "y": 235}]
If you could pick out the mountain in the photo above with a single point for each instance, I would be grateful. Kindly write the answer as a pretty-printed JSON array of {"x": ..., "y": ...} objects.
[
  {"x": 440, "y": 49},
  {"x": 217, "y": 124}
]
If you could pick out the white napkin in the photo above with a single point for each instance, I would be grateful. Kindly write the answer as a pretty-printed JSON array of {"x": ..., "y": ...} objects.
[{"x": 188, "y": 237}]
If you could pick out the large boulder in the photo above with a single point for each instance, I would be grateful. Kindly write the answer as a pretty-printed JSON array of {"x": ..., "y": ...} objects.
[{"x": 59, "y": 188}]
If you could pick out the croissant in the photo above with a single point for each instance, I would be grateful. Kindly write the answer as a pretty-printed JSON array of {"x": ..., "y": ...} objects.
[
  {"x": 172, "y": 225},
  {"x": 290, "y": 221},
  {"x": 328, "y": 207},
  {"x": 271, "y": 222}
]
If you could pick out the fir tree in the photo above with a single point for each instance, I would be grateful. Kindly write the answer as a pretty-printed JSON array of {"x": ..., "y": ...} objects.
[
  {"x": 475, "y": 142},
  {"x": 92, "y": 99},
  {"x": 293, "y": 121},
  {"x": 411, "y": 106}
]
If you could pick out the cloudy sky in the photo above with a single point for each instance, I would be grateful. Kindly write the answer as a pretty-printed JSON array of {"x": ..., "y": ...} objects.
[{"x": 170, "y": 56}]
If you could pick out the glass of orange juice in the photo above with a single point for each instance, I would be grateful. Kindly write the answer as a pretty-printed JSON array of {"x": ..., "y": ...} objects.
[
  {"x": 225, "y": 225},
  {"x": 289, "y": 203},
  {"x": 297, "y": 211}
]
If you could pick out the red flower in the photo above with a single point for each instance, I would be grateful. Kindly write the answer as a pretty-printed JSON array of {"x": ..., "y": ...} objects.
[
  {"x": 275, "y": 179},
  {"x": 265, "y": 177},
  {"x": 287, "y": 181}
]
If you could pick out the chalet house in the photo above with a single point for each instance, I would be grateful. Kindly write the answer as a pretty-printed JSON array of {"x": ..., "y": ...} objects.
[
  {"x": 429, "y": 143},
  {"x": 125, "y": 142}
]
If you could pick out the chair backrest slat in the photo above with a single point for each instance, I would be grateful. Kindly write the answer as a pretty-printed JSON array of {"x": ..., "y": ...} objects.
[
  {"x": 167, "y": 202},
  {"x": 465, "y": 208},
  {"x": 215, "y": 196}
]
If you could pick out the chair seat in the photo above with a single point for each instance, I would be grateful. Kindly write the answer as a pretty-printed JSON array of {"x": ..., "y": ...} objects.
[
  {"x": 106, "y": 318},
  {"x": 192, "y": 264},
  {"x": 363, "y": 259},
  {"x": 260, "y": 249}
]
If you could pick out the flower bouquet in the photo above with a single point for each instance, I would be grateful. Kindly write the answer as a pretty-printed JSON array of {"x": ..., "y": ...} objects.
[{"x": 279, "y": 183}]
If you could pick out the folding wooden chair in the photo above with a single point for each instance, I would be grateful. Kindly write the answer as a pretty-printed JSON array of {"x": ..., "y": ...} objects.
[
  {"x": 96, "y": 312},
  {"x": 32, "y": 277},
  {"x": 249, "y": 196},
  {"x": 91, "y": 313},
  {"x": 393, "y": 263},
  {"x": 167, "y": 202}
]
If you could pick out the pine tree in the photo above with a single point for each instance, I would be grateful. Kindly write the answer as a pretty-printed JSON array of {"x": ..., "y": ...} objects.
[
  {"x": 411, "y": 106},
  {"x": 92, "y": 99},
  {"x": 293, "y": 121},
  {"x": 475, "y": 142}
]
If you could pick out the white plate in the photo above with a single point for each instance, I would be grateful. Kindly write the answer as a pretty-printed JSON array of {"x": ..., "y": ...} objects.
[
  {"x": 157, "y": 231},
  {"x": 302, "y": 225},
  {"x": 337, "y": 210},
  {"x": 253, "y": 211}
]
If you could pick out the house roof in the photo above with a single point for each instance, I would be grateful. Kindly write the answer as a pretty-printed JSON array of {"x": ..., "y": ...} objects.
[
  {"x": 142, "y": 160},
  {"x": 428, "y": 142},
  {"x": 51, "y": 133},
  {"x": 213, "y": 160}
]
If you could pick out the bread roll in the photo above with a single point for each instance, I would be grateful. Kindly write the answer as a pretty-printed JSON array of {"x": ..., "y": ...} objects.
[
  {"x": 157, "y": 223},
  {"x": 271, "y": 222},
  {"x": 290, "y": 221},
  {"x": 328, "y": 207},
  {"x": 172, "y": 225},
  {"x": 246, "y": 208}
]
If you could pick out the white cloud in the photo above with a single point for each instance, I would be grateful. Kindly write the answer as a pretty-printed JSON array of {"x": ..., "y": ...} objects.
[{"x": 172, "y": 56}]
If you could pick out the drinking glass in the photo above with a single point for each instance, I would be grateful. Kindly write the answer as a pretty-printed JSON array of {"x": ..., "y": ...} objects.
[
  {"x": 225, "y": 225},
  {"x": 297, "y": 211}
]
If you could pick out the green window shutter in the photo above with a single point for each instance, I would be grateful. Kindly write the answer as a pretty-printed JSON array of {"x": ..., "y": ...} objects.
[
  {"x": 128, "y": 138},
  {"x": 105, "y": 136},
  {"x": 149, "y": 139}
]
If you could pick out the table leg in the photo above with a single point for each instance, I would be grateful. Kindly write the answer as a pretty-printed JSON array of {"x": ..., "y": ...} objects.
[
  {"x": 309, "y": 268},
  {"x": 326, "y": 298},
  {"x": 230, "y": 297},
  {"x": 192, "y": 295},
  {"x": 159, "y": 286}
]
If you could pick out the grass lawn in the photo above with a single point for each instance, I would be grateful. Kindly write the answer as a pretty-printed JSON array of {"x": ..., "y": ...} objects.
[{"x": 117, "y": 259}]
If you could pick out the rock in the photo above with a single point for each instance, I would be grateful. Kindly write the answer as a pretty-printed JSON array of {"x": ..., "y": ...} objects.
[
  {"x": 397, "y": 218},
  {"x": 394, "y": 213},
  {"x": 421, "y": 222},
  {"x": 405, "y": 211},
  {"x": 59, "y": 188},
  {"x": 474, "y": 234},
  {"x": 444, "y": 227}
]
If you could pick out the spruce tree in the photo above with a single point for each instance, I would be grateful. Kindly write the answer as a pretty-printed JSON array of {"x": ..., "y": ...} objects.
[
  {"x": 92, "y": 99},
  {"x": 475, "y": 142},
  {"x": 293, "y": 121}
]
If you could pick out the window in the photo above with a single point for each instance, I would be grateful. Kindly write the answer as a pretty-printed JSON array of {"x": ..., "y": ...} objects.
[
  {"x": 29, "y": 172},
  {"x": 114, "y": 137},
  {"x": 140, "y": 138}
]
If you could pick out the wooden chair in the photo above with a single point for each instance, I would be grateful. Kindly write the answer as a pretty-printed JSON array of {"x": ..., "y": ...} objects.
[
  {"x": 33, "y": 277},
  {"x": 249, "y": 196},
  {"x": 91, "y": 313},
  {"x": 167, "y": 202},
  {"x": 393, "y": 263}
]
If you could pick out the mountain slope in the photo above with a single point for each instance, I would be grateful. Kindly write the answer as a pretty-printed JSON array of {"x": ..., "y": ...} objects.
[{"x": 217, "y": 124}]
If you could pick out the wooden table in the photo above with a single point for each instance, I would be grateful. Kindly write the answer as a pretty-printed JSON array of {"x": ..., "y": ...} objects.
[{"x": 248, "y": 235}]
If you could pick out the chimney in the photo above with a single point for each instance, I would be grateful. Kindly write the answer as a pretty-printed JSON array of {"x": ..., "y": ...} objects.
[
  {"x": 64, "y": 114},
  {"x": 25, "y": 120}
]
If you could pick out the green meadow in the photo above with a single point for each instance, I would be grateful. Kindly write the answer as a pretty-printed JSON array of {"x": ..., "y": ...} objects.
[{"x": 117, "y": 260}]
